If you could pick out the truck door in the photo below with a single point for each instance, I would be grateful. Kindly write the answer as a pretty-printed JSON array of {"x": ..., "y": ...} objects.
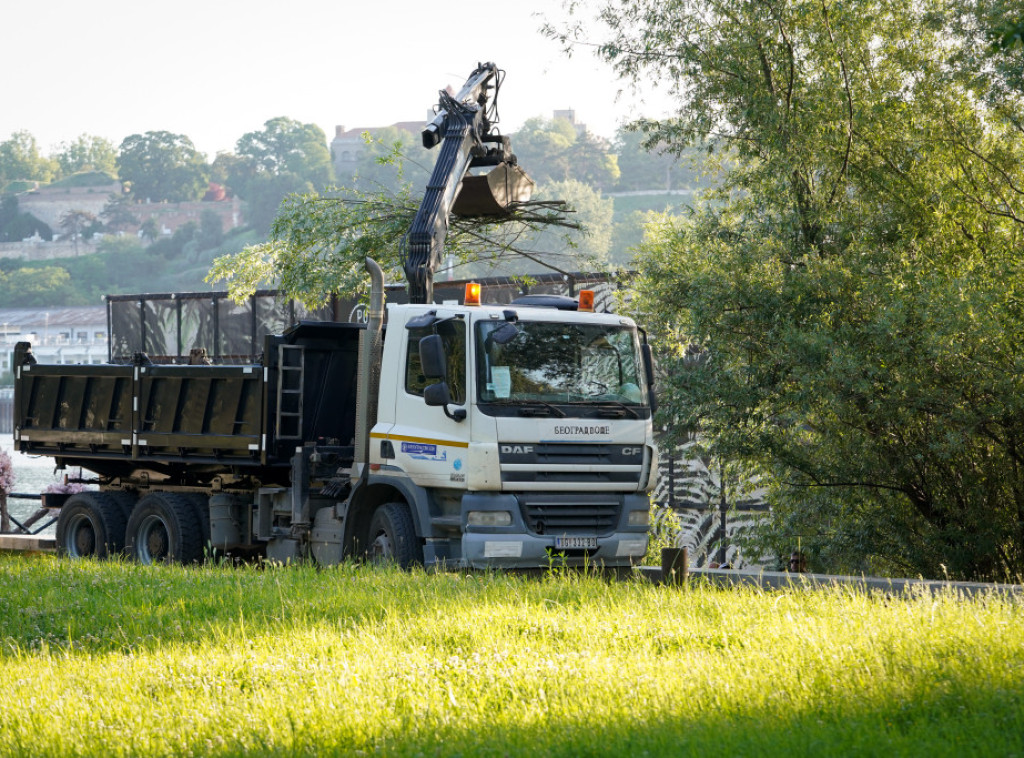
[{"x": 428, "y": 443}]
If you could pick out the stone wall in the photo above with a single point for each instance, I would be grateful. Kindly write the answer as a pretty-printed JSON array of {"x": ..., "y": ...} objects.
[
  {"x": 41, "y": 250},
  {"x": 50, "y": 203}
]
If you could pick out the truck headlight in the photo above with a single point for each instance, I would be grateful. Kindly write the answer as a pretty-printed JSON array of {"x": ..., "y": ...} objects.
[
  {"x": 639, "y": 518},
  {"x": 489, "y": 518}
]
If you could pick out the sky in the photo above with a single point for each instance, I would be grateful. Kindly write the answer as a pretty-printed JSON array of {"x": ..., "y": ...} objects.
[{"x": 214, "y": 70}]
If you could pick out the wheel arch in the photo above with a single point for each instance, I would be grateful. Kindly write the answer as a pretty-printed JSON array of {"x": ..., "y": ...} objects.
[{"x": 377, "y": 492}]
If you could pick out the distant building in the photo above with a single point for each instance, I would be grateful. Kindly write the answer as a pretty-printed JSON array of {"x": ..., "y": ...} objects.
[
  {"x": 170, "y": 217},
  {"x": 58, "y": 335},
  {"x": 570, "y": 116},
  {"x": 348, "y": 144},
  {"x": 49, "y": 204}
]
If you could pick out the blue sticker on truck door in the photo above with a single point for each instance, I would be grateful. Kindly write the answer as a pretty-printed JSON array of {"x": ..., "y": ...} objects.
[{"x": 422, "y": 451}]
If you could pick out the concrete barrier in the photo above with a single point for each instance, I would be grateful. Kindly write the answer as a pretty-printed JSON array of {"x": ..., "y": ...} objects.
[
  {"x": 27, "y": 543},
  {"x": 786, "y": 579}
]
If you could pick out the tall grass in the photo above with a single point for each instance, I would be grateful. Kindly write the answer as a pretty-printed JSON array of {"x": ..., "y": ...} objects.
[{"x": 118, "y": 659}]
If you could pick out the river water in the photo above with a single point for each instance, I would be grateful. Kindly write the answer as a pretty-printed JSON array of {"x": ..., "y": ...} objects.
[{"x": 32, "y": 474}]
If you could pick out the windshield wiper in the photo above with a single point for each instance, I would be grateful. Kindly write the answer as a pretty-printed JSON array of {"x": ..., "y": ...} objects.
[
  {"x": 539, "y": 408},
  {"x": 617, "y": 407},
  {"x": 609, "y": 408}
]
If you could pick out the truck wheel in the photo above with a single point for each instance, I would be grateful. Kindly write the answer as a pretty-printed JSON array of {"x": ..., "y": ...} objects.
[
  {"x": 90, "y": 525},
  {"x": 392, "y": 536},
  {"x": 124, "y": 500},
  {"x": 201, "y": 505},
  {"x": 164, "y": 528}
]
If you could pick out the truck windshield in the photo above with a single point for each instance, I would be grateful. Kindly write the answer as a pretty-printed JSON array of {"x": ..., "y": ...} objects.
[{"x": 549, "y": 362}]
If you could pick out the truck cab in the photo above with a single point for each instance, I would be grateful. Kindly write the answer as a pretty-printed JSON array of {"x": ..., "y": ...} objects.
[{"x": 516, "y": 434}]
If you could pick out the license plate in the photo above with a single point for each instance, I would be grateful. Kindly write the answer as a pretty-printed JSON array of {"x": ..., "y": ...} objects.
[{"x": 576, "y": 543}]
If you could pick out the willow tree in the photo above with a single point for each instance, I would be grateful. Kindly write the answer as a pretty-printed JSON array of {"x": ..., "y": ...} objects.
[
  {"x": 854, "y": 285},
  {"x": 318, "y": 240}
]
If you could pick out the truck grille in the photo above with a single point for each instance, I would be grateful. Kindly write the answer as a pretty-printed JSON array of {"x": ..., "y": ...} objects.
[
  {"x": 591, "y": 467},
  {"x": 571, "y": 514}
]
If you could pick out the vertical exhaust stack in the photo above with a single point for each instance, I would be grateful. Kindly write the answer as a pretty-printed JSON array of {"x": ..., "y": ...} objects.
[{"x": 369, "y": 369}]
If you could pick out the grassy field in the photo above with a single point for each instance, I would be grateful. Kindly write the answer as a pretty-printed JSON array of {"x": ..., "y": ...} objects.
[{"x": 115, "y": 659}]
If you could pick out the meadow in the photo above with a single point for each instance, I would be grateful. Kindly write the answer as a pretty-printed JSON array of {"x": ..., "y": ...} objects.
[{"x": 116, "y": 659}]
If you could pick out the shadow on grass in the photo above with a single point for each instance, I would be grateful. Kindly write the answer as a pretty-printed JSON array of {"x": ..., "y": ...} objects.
[{"x": 985, "y": 725}]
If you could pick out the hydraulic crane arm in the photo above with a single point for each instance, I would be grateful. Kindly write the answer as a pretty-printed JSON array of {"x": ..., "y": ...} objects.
[{"x": 463, "y": 126}]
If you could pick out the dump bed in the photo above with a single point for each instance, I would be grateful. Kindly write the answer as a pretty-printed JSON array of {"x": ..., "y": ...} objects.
[{"x": 115, "y": 418}]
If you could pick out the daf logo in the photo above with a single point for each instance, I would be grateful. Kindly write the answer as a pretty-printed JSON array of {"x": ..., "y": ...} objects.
[
  {"x": 631, "y": 451},
  {"x": 517, "y": 449}
]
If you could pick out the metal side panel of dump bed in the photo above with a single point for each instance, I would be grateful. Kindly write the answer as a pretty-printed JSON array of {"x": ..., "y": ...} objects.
[
  {"x": 242, "y": 416},
  {"x": 154, "y": 412}
]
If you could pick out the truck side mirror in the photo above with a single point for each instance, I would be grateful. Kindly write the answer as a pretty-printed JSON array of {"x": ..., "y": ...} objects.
[
  {"x": 439, "y": 394},
  {"x": 432, "y": 358}
]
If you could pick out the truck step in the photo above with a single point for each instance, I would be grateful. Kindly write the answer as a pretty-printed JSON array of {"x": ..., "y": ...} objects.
[{"x": 453, "y": 522}]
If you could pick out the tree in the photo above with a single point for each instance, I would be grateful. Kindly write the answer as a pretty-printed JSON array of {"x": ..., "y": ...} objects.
[
  {"x": 211, "y": 230},
  {"x": 74, "y": 223},
  {"x": 554, "y": 150},
  {"x": 15, "y": 226},
  {"x": 284, "y": 157},
  {"x": 34, "y": 287},
  {"x": 318, "y": 242},
  {"x": 150, "y": 230},
  {"x": 20, "y": 159},
  {"x": 843, "y": 313},
  {"x": 86, "y": 153},
  {"x": 391, "y": 158},
  {"x": 160, "y": 166},
  {"x": 550, "y": 249},
  {"x": 174, "y": 246},
  {"x": 117, "y": 213},
  {"x": 653, "y": 167}
]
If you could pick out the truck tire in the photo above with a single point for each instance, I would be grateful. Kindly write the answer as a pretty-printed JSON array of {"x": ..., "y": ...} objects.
[
  {"x": 164, "y": 528},
  {"x": 392, "y": 537},
  {"x": 90, "y": 525},
  {"x": 124, "y": 500},
  {"x": 201, "y": 505}
]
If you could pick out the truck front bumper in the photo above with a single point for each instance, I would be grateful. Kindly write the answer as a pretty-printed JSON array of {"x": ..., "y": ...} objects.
[
  {"x": 516, "y": 546},
  {"x": 524, "y": 551}
]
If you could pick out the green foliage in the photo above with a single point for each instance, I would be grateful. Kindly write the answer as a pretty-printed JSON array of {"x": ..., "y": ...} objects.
[
  {"x": 211, "y": 230},
  {"x": 15, "y": 226},
  {"x": 85, "y": 179},
  {"x": 32, "y": 287},
  {"x": 118, "y": 214},
  {"x": 851, "y": 285},
  {"x": 166, "y": 661},
  {"x": 160, "y": 166},
  {"x": 86, "y": 154},
  {"x": 389, "y": 160},
  {"x": 318, "y": 243},
  {"x": 584, "y": 248},
  {"x": 124, "y": 246},
  {"x": 20, "y": 159},
  {"x": 554, "y": 151},
  {"x": 285, "y": 157},
  {"x": 174, "y": 246}
]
